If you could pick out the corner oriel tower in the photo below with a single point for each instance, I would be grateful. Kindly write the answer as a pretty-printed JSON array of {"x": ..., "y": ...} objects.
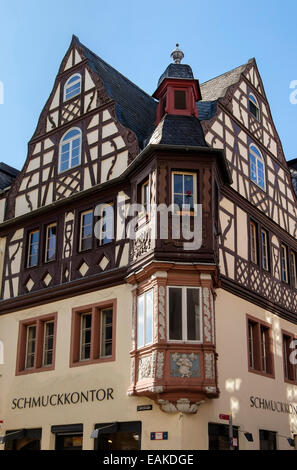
[{"x": 176, "y": 365}]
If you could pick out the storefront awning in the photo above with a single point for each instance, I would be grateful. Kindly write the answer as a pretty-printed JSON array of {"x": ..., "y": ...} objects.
[{"x": 110, "y": 428}]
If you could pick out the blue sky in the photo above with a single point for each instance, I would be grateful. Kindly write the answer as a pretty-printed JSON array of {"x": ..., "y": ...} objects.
[{"x": 136, "y": 38}]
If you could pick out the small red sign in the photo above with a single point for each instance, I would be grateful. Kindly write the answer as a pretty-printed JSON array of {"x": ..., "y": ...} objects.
[{"x": 226, "y": 417}]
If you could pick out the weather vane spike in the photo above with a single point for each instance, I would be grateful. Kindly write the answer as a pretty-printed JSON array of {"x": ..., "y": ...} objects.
[{"x": 177, "y": 54}]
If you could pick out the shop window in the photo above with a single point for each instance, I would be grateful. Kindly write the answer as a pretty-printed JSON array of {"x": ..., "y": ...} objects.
[
  {"x": 93, "y": 334},
  {"x": 290, "y": 357},
  {"x": 36, "y": 344},
  {"x": 184, "y": 314},
  {"x": 184, "y": 191},
  {"x": 23, "y": 439},
  {"x": 145, "y": 319},
  {"x": 218, "y": 436},
  {"x": 267, "y": 440},
  {"x": 118, "y": 436},
  {"x": 68, "y": 437},
  {"x": 260, "y": 352}
]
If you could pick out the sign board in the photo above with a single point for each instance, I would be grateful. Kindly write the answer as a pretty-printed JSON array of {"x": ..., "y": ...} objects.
[
  {"x": 159, "y": 436},
  {"x": 235, "y": 442},
  {"x": 144, "y": 407},
  {"x": 225, "y": 417}
]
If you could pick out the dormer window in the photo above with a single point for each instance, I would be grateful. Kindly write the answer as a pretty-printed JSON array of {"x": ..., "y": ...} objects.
[
  {"x": 254, "y": 107},
  {"x": 257, "y": 168},
  {"x": 72, "y": 86},
  {"x": 70, "y": 150}
]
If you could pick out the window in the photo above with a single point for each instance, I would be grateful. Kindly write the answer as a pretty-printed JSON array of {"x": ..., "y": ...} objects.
[
  {"x": 33, "y": 248},
  {"x": 72, "y": 87},
  {"x": 184, "y": 190},
  {"x": 180, "y": 99},
  {"x": 260, "y": 354},
  {"x": 50, "y": 243},
  {"x": 267, "y": 440},
  {"x": 218, "y": 436},
  {"x": 93, "y": 334},
  {"x": 106, "y": 234},
  {"x": 70, "y": 150},
  {"x": 145, "y": 196},
  {"x": 184, "y": 316},
  {"x": 253, "y": 242},
  {"x": 254, "y": 107},
  {"x": 284, "y": 263},
  {"x": 86, "y": 231},
  {"x": 36, "y": 345},
  {"x": 264, "y": 250},
  {"x": 145, "y": 319},
  {"x": 294, "y": 269},
  {"x": 257, "y": 171},
  {"x": 290, "y": 356}
]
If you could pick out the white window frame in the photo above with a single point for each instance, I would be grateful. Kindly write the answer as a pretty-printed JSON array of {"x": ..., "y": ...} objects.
[
  {"x": 46, "y": 260},
  {"x": 81, "y": 229},
  {"x": 184, "y": 315},
  {"x": 102, "y": 208},
  {"x": 34, "y": 325},
  {"x": 67, "y": 85},
  {"x": 44, "y": 339},
  {"x": 81, "y": 336},
  {"x": 29, "y": 248},
  {"x": 144, "y": 320},
  {"x": 184, "y": 173},
  {"x": 70, "y": 142},
  {"x": 256, "y": 104},
  {"x": 258, "y": 158}
]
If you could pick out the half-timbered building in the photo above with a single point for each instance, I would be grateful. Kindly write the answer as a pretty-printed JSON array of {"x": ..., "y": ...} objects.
[{"x": 114, "y": 335}]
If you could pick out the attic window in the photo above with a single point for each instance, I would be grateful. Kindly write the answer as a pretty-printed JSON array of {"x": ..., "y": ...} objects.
[
  {"x": 72, "y": 86},
  {"x": 254, "y": 107},
  {"x": 180, "y": 99}
]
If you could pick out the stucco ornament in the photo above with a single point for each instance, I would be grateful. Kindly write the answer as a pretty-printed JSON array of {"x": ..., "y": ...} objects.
[
  {"x": 144, "y": 367},
  {"x": 183, "y": 405},
  {"x": 162, "y": 312}
]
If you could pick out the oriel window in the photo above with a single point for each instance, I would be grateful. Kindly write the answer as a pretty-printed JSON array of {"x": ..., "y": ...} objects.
[
  {"x": 33, "y": 248},
  {"x": 184, "y": 314},
  {"x": 145, "y": 319},
  {"x": 184, "y": 190}
]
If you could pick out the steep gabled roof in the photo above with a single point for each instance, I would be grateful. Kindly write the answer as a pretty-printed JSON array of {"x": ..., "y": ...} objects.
[
  {"x": 216, "y": 88},
  {"x": 134, "y": 108}
]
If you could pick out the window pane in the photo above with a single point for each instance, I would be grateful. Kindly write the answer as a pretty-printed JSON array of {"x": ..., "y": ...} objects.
[
  {"x": 140, "y": 321},
  {"x": 51, "y": 243},
  {"x": 178, "y": 184},
  {"x": 107, "y": 225},
  {"x": 179, "y": 201},
  {"x": 85, "y": 348},
  {"x": 71, "y": 134},
  {"x": 106, "y": 333},
  {"x": 179, "y": 99},
  {"x": 149, "y": 317},
  {"x": 31, "y": 341},
  {"x": 189, "y": 184},
  {"x": 175, "y": 313},
  {"x": 48, "y": 343},
  {"x": 193, "y": 315},
  {"x": 33, "y": 248}
]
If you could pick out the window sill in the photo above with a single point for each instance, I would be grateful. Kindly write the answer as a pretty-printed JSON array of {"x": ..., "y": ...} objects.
[
  {"x": 33, "y": 371},
  {"x": 92, "y": 361},
  {"x": 261, "y": 373}
]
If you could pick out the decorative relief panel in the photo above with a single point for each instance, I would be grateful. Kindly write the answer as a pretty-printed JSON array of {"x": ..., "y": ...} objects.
[
  {"x": 184, "y": 365},
  {"x": 145, "y": 367}
]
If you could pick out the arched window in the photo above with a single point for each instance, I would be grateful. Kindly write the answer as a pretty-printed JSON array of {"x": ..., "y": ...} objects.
[
  {"x": 72, "y": 86},
  {"x": 254, "y": 106},
  {"x": 257, "y": 167},
  {"x": 70, "y": 150}
]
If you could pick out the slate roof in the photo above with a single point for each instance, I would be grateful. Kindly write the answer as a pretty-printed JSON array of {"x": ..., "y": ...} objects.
[
  {"x": 216, "y": 88},
  {"x": 134, "y": 108},
  {"x": 292, "y": 164},
  {"x": 178, "y": 130},
  {"x": 7, "y": 175},
  {"x": 177, "y": 71}
]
